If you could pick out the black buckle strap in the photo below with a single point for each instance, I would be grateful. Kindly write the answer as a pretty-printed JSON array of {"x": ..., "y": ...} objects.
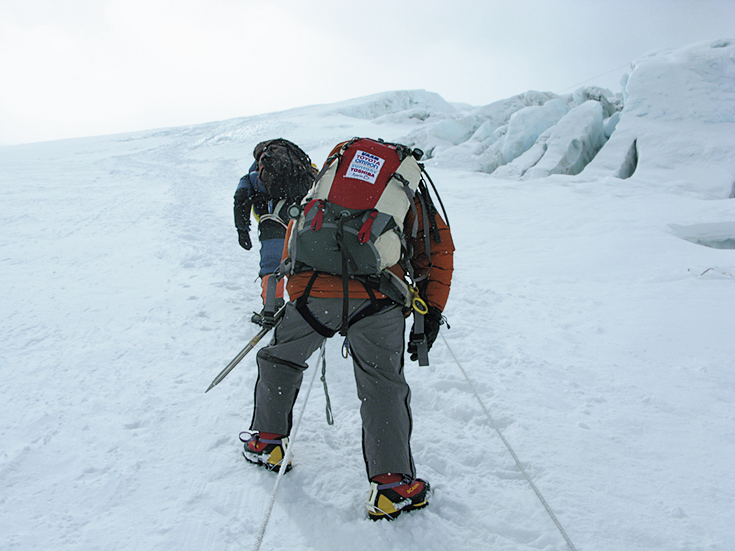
[{"x": 309, "y": 318}]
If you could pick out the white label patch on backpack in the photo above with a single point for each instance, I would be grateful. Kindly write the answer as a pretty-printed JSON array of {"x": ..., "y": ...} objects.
[{"x": 365, "y": 166}]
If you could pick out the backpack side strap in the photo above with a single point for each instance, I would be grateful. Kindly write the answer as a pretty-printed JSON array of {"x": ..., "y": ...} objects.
[{"x": 309, "y": 318}]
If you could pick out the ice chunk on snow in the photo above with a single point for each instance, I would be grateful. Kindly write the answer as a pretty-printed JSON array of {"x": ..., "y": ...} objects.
[
  {"x": 717, "y": 235},
  {"x": 677, "y": 124},
  {"x": 524, "y": 128},
  {"x": 518, "y": 167},
  {"x": 610, "y": 103},
  {"x": 498, "y": 114},
  {"x": 608, "y": 127},
  {"x": 572, "y": 143},
  {"x": 528, "y": 124},
  {"x": 453, "y": 131},
  {"x": 474, "y": 131}
]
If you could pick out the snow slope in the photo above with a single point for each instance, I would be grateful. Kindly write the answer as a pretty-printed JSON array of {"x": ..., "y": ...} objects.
[{"x": 592, "y": 309}]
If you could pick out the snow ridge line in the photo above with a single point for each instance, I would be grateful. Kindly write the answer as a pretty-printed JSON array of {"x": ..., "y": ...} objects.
[
  {"x": 286, "y": 460},
  {"x": 510, "y": 449}
]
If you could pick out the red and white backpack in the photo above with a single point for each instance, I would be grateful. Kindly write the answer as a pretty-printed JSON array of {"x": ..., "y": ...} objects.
[{"x": 351, "y": 221}]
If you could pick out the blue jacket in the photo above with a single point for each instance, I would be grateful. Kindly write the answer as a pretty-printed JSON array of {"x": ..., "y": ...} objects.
[{"x": 252, "y": 195}]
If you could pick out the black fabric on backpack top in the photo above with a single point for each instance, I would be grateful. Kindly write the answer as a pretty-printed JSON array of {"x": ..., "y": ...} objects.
[{"x": 284, "y": 169}]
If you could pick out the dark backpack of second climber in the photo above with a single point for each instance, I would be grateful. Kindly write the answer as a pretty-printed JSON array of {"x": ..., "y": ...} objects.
[{"x": 284, "y": 169}]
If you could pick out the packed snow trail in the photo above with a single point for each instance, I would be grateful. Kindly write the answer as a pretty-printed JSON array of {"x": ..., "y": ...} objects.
[
  {"x": 510, "y": 449},
  {"x": 593, "y": 326}
]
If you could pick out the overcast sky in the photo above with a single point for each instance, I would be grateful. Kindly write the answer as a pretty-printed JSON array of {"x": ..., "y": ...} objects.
[{"x": 71, "y": 68}]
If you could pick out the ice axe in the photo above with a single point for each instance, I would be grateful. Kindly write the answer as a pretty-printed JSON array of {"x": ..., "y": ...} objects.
[{"x": 236, "y": 360}]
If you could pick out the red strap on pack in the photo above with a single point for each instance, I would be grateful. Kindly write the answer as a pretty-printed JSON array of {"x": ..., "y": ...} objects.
[
  {"x": 316, "y": 224},
  {"x": 309, "y": 205},
  {"x": 363, "y": 236}
]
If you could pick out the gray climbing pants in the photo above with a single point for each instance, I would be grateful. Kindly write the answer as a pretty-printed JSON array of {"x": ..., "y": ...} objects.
[{"x": 376, "y": 343}]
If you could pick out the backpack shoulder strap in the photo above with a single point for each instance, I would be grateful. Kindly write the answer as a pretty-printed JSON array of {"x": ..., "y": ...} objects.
[{"x": 275, "y": 216}]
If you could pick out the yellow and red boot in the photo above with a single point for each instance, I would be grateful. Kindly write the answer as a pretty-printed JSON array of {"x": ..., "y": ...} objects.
[
  {"x": 392, "y": 494},
  {"x": 265, "y": 449}
]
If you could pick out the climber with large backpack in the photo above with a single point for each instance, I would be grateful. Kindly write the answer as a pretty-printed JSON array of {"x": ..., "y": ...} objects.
[
  {"x": 365, "y": 248},
  {"x": 280, "y": 176}
]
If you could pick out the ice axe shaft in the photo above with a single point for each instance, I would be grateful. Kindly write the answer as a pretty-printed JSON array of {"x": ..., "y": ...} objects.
[{"x": 236, "y": 360}]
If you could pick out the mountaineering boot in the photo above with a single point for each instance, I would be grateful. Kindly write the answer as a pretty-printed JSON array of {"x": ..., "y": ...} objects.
[
  {"x": 265, "y": 449},
  {"x": 391, "y": 494},
  {"x": 257, "y": 317}
]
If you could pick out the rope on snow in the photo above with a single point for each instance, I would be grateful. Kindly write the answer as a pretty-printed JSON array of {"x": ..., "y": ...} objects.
[
  {"x": 510, "y": 449},
  {"x": 286, "y": 460},
  {"x": 289, "y": 453}
]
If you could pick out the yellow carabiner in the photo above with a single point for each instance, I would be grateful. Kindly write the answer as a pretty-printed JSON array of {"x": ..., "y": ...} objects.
[{"x": 418, "y": 303}]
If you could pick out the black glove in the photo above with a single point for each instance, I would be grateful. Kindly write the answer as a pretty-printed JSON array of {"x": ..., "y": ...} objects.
[
  {"x": 432, "y": 320},
  {"x": 243, "y": 237}
]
